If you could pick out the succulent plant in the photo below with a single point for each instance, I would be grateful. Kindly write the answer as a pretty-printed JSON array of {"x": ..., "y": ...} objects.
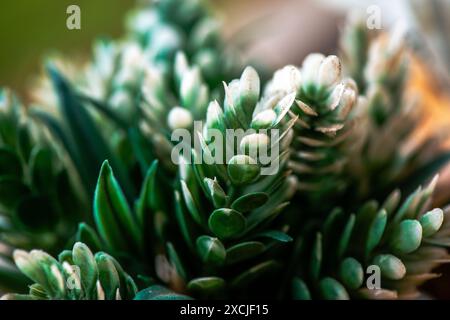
[
  {"x": 323, "y": 107},
  {"x": 403, "y": 240},
  {"x": 35, "y": 187},
  {"x": 77, "y": 274},
  {"x": 388, "y": 155},
  {"x": 205, "y": 187}
]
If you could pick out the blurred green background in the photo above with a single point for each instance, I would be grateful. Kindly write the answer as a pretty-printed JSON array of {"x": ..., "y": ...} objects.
[{"x": 31, "y": 29}]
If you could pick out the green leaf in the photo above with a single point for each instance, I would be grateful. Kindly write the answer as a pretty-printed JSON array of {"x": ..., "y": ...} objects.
[
  {"x": 226, "y": 223},
  {"x": 300, "y": 290},
  {"x": 41, "y": 169},
  {"x": 190, "y": 203},
  {"x": 316, "y": 257},
  {"x": 107, "y": 275},
  {"x": 351, "y": 273},
  {"x": 431, "y": 222},
  {"x": 148, "y": 198},
  {"x": 183, "y": 220},
  {"x": 330, "y": 289},
  {"x": 406, "y": 237},
  {"x": 275, "y": 235},
  {"x": 206, "y": 286},
  {"x": 176, "y": 261},
  {"x": 391, "y": 267},
  {"x": 376, "y": 231},
  {"x": 345, "y": 237},
  {"x": 215, "y": 192},
  {"x": 254, "y": 273},
  {"x": 211, "y": 250},
  {"x": 84, "y": 259},
  {"x": 250, "y": 201},
  {"x": 90, "y": 146},
  {"x": 87, "y": 235},
  {"x": 242, "y": 169},
  {"x": 244, "y": 250},
  {"x": 113, "y": 217}
]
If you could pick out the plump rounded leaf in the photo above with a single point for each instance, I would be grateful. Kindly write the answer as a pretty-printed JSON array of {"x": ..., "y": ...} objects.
[
  {"x": 432, "y": 221},
  {"x": 244, "y": 251},
  {"x": 242, "y": 169},
  {"x": 391, "y": 267},
  {"x": 331, "y": 289},
  {"x": 300, "y": 290},
  {"x": 406, "y": 237},
  {"x": 226, "y": 223},
  {"x": 206, "y": 286},
  {"x": 351, "y": 273},
  {"x": 83, "y": 257},
  {"x": 249, "y": 87},
  {"x": 211, "y": 250},
  {"x": 107, "y": 275},
  {"x": 250, "y": 201},
  {"x": 264, "y": 119}
]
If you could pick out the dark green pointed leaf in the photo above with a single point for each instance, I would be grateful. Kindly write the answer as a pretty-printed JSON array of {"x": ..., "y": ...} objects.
[
  {"x": 90, "y": 145},
  {"x": 41, "y": 169},
  {"x": 376, "y": 231},
  {"x": 184, "y": 221},
  {"x": 147, "y": 200},
  {"x": 176, "y": 261},
  {"x": 190, "y": 203},
  {"x": 87, "y": 235},
  {"x": 113, "y": 217},
  {"x": 275, "y": 235},
  {"x": 345, "y": 237}
]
